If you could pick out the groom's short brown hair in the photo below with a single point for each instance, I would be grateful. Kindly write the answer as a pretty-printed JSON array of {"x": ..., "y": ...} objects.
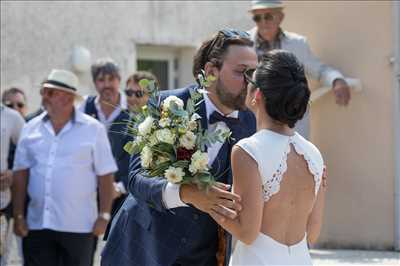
[{"x": 213, "y": 50}]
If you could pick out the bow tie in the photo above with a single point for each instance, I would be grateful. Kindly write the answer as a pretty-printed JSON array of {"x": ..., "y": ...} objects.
[{"x": 217, "y": 117}]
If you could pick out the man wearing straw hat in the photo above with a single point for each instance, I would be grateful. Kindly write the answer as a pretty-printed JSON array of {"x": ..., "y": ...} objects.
[
  {"x": 268, "y": 34},
  {"x": 63, "y": 158}
]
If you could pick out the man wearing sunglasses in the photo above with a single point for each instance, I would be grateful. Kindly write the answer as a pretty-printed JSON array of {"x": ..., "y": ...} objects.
[
  {"x": 15, "y": 98},
  {"x": 135, "y": 95},
  {"x": 165, "y": 224},
  {"x": 63, "y": 161},
  {"x": 267, "y": 35},
  {"x": 109, "y": 106}
]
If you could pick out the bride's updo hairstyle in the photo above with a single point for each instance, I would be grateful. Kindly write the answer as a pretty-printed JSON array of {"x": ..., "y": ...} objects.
[{"x": 281, "y": 79}]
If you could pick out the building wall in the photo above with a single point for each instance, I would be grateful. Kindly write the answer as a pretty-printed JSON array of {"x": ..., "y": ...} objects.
[
  {"x": 356, "y": 141},
  {"x": 354, "y": 36},
  {"x": 38, "y": 36}
]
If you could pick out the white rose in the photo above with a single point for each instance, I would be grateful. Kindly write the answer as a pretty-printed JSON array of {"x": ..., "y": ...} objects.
[
  {"x": 167, "y": 102},
  {"x": 188, "y": 140},
  {"x": 145, "y": 126},
  {"x": 174, "y": 175},
  {"x": 164, "y": 122},
  {"x": 147, "y": 157},
  {"x": 192, "y": 125},
  {"x": 153, "y": 139},
  {"x": 199, "y": 162},
  {"x": 165, "y": 135},
  {"x": 139, "y": 139}
]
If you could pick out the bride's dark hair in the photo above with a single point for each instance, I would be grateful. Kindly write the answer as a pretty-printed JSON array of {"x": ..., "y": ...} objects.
[{"x": 281, "y": 79}]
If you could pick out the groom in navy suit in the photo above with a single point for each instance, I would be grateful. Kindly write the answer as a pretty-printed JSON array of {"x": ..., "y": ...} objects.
[{"x": 161, "y": 223}]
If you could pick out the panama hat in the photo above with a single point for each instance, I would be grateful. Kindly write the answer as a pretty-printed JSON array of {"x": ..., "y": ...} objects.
[
  {"x": 63, "y": 80},
  {"x": 262, "y": 4}
]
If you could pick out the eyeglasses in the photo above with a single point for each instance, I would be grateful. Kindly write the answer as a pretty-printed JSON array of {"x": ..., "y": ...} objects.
[
  {"x": 266, "y": 16},
  {"x": 17, "y": 105},
  {"x": 47, "y": 91},
  {"x": 248, "y": 76},
  {"x": 130, "y": 93},
  {"x": 227, "y": 34}
]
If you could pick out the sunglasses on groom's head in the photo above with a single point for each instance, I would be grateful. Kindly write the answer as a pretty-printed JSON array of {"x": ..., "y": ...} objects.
[{"x": 226, "y": 35}]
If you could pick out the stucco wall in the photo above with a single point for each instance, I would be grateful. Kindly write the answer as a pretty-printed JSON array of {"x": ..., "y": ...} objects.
[
  {"x": 37, "y": 36},
  {"x": 354, "y": 36},
  {"x": 357, "y": 141}
]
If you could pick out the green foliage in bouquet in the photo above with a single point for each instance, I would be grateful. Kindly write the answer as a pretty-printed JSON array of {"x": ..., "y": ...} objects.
[{"x": 169, "y": 138}]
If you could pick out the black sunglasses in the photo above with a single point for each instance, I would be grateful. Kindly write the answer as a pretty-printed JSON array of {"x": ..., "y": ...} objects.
[
  {"x": 227, "y": 34},
  {"x": 248, "y": 76},
  {"x": 266, "y": 16},
  {"x": 130, "y": 93},
  {"x": 13, "y": 105}
]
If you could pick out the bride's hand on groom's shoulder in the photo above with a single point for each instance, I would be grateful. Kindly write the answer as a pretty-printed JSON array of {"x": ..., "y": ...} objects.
[{"x": 216, "y": 200}]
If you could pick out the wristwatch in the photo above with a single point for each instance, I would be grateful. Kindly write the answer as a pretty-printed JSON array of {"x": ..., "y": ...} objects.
[{"x": 105, "y": 215}]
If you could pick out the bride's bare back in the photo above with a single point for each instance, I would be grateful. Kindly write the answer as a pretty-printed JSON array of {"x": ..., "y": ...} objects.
[
  {"x": 285, "y": 215},
  {"x": 278, "y": 178}
]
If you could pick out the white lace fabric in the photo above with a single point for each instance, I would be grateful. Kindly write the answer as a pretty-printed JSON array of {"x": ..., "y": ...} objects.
[{"x": 270, "y": 151}]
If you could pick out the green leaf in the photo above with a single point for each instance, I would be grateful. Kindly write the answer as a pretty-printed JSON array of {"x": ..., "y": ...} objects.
[
  {"x": 144, "y": 83},
  {"x": 182, "y": 164},
  {"x": 165, "y": 149},
  {"x": 190, "y": 106},
  {"x": 129, "y": 147}
]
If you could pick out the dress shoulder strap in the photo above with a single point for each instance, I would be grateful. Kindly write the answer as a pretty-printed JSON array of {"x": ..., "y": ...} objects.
[{"x": 312, "y": 156}]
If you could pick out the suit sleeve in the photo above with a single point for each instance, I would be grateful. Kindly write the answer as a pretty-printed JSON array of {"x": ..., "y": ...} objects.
[{"x": 145, "y": 189}]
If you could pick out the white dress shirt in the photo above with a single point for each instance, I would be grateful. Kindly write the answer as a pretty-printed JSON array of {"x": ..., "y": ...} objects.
[
  {"x": 170, "y": 195},
  {"x": 63, "y": 171}
]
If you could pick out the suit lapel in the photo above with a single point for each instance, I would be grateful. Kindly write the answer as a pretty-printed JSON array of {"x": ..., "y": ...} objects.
[{"x": 220, "y": 163}]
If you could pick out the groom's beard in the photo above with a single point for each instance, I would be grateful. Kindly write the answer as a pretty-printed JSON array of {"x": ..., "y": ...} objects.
[{"x": 230, "y": 100}]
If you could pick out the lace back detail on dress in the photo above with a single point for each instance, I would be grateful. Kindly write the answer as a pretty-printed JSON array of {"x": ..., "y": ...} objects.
[{"x": 272, "y": 184}]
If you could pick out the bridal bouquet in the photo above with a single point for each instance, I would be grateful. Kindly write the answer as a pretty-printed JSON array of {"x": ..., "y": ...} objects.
[{"x": 170, "y": 139}]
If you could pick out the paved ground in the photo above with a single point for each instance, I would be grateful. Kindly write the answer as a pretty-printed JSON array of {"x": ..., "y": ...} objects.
[
  {"x": 320, "y": 257},
  {"x": 355, "y": 257}
]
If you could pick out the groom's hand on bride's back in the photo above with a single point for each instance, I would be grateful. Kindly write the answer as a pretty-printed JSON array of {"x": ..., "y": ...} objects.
[{"x": 217, "y": 199}]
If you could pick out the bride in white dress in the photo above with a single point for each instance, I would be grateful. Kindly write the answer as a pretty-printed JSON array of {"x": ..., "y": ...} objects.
[{"x": 276, "y": 171}]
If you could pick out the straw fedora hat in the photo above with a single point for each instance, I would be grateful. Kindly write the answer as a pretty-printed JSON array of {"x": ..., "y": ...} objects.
[
  {"x": 262, "y": 4},
  {"x": 63, "y": 80}
]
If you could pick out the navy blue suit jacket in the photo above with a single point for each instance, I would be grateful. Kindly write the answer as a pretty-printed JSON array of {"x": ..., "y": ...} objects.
[{"x": 144, "y": 232}]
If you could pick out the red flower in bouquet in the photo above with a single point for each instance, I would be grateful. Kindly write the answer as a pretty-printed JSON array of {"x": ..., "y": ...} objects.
[{"x": 184, "y": 154}]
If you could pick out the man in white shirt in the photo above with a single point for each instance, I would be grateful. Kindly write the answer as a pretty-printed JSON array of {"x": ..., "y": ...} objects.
[
  {"x": 267, "y": 35},
  {"x": 63, "y": 158}
]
